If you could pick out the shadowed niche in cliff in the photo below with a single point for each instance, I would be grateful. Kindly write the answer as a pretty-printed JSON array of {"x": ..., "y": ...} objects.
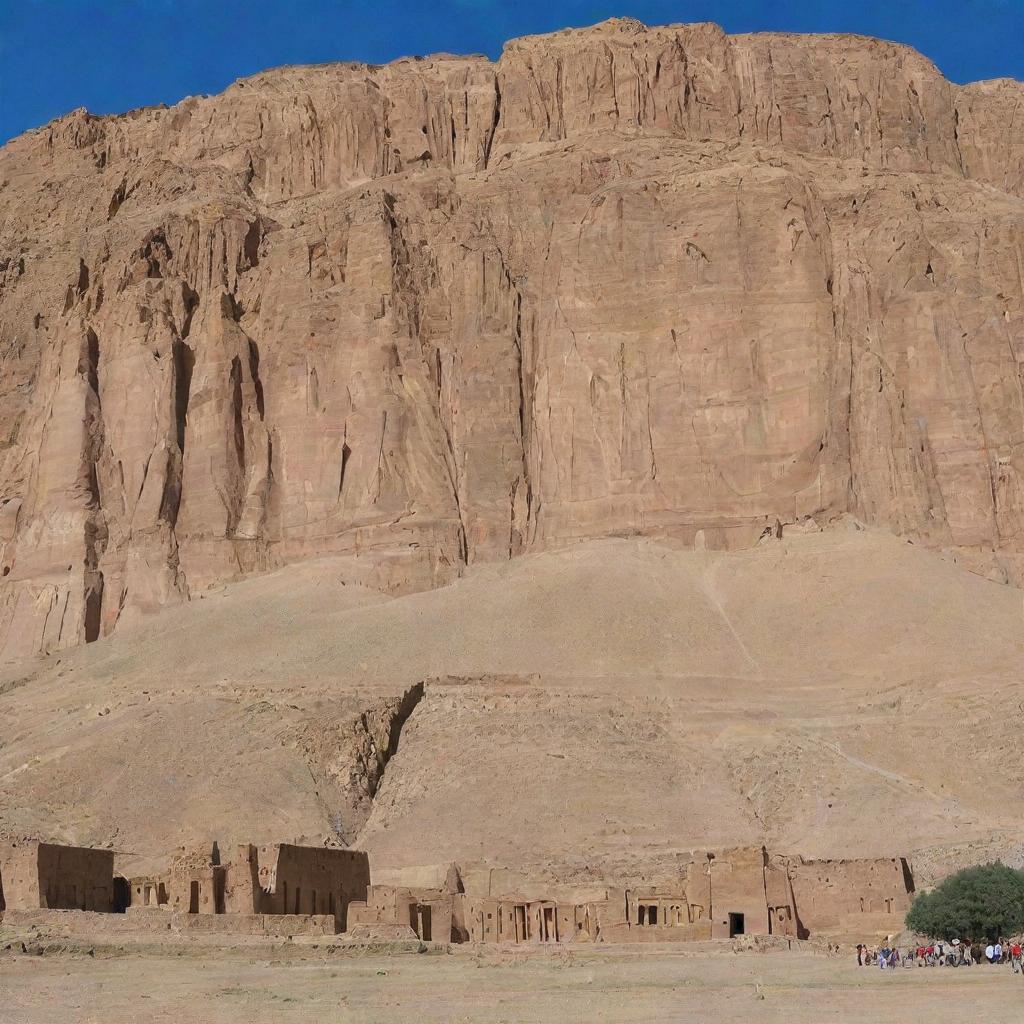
[
  {"x": 183, "y": 364},
  {"x": 93, "y": 609},
  {"x": 254, "y": 372}
]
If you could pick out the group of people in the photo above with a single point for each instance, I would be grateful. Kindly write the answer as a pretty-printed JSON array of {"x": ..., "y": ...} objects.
[{"x": 945, "y": 954}]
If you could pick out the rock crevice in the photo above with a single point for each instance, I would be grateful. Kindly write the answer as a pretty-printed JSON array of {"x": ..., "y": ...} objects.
[{"x": 626, "y": 280}]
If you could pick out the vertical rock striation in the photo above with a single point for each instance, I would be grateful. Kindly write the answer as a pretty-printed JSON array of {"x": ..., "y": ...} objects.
[{"x": 625, "y": 280}]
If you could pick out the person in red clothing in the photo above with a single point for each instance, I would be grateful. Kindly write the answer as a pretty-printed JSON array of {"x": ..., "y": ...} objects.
[{"x": 1015, "y": 955}]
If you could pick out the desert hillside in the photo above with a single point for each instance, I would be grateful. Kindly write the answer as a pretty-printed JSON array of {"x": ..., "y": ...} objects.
[
  {"x": 624, "y": 281},
  {"x": 562, "y": 462},
  {"x": 590, "y": 713}
]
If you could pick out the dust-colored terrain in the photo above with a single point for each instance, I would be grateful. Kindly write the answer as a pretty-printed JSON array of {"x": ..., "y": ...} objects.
[
  {"x": 435, "y": 457},
  {"x": 561, "y": 463},
  {"x": 593, "y": 712},
  {"x": 611, "y": 986}
]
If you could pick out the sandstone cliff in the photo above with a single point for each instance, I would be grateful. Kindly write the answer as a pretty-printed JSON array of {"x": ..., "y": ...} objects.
[{"x": 623, "y": 281}]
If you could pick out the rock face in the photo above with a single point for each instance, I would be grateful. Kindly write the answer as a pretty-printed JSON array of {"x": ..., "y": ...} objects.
[{"x": 624, "y": 281}]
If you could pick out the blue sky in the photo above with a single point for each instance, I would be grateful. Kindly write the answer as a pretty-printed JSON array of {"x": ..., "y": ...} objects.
[{"x": 112, "y": 55}]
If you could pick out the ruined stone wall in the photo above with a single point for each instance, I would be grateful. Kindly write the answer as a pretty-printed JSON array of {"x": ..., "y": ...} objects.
[
  {"x": 654, "y": 915},
  {"x": 433, "y": 917},
  {"x": 195, "y": 882},
  {"x": 513, "y": 920},
  {"x": 832, "y": 894},
  {"x": 242, "y": 892},
  {"x": 474, "y": 918},
  {"x": 737, "y": 885},
  {"x": 156, "y": 921},
  {"x": 428, "y": 913},
  {"x": 275, "y": 879},
  {"x": 58, "y": 877},
  {"x": 19, "y": 876},
  {"x": 147, "y": 892},
  {"x": 309, "y": 880},
  {"x": 778, "y": 888},
  {"x": 46, "y": 875}
]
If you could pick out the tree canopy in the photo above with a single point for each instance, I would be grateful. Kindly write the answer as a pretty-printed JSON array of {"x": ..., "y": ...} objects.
[{"x": 983, "y": 902}]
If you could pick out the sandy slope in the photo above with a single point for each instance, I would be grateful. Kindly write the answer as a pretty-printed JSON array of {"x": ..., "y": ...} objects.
[{"x": 833, "y": 693}]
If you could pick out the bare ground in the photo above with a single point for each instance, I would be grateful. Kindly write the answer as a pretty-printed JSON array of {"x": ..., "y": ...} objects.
[
  {"x": 799, "y": 694},
  {"x": 608, "y": 985}
]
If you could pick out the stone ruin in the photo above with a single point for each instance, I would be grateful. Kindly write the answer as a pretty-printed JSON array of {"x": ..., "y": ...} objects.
[
  {"x": 36, "y": 875},
  {"x": 311, "y": 886},
  {"x": 742, "y": 891},
  {"x": 285, "y": 889}
]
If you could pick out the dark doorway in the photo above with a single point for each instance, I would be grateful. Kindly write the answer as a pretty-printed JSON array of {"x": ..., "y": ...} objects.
[
  {"x": 193, "y": 898},
  {"x": 122, "y": 894},
  {"x": 521, "y": 924},
  {"x": 736, "y": 925},
  {"x": 425, "y": 929}
]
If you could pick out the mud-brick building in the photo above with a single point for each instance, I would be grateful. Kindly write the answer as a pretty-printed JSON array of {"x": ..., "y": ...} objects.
[
  {"x": 195, "y": 882},
  {"x": 659, "y": 913},
  {"x": 506, "y": 906},
  {"x": 742, "y": 891},
  {"x": 718, "y": 894},
  {"x": 36, "y": 875},
  {"x": 751, "y": 892},
  {"x": 275, "y": 879},
  {"x": 304, "y": 879},
  {"x": 514, "y": 919},
  {"x": 411, "y": 902},
  {"x": 847, "y": 895},
  {"x": 425, "y": 914}
]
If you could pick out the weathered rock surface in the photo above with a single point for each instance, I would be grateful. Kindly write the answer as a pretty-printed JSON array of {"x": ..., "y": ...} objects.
[{"x": 624, "y": 281}]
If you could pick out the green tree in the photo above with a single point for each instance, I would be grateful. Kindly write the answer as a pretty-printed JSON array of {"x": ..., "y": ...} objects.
[{"x": 983, "y": 902}]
